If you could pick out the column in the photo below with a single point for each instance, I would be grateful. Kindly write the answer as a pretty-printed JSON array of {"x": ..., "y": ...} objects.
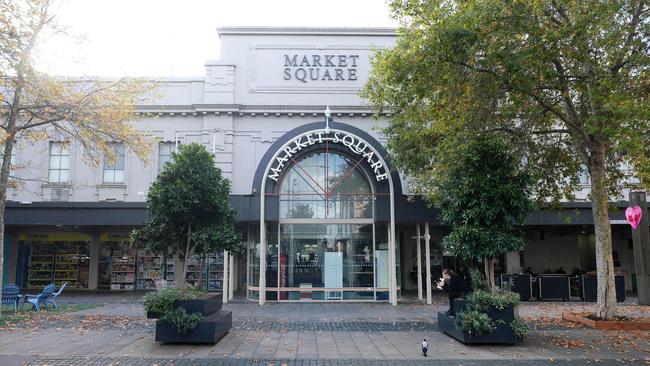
[
  {"x": 427, "y": 253},
  {"x": 93, "y": 264},
  {"x": 513, "y": 262},
  {"x": 392, "y": 269},
  {"x": 262, "y": 283},
  {"x": 419, "y": 259},
  {"x": 225, "y": 277},
  {"x": 641, "y": 244},
  {"x": 231, "y": 280}
]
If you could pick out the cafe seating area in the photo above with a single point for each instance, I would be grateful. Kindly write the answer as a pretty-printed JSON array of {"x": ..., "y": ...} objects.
[{"x": 557, "y": 287}]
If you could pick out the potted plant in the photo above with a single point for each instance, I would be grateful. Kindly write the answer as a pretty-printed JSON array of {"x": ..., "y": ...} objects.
[
  {"x": 485, "y": 317},
  {"x": 483, "y": 194},
  {"x": 189, "y": 212}
]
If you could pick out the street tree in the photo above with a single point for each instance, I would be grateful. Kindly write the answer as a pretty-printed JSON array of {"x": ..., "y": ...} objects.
[
  {"x": 484, "y": 195},
  {"x": 36, "y": 106},
  {"x": 189, "y": 209},
  {"x": 566, "y": 82}
]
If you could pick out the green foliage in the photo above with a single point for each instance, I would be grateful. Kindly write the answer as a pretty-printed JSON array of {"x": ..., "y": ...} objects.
[
  {"x": 474, "y": 322},
  {"x": 476, "y": 319},
  {"x": 183, "y": 321},
  {"x": 482, "y": 301},
  {"x": 564, "y": 83},
  {"x": 519, "y": 327},
  {"x": 189, "y": 200},
  {"x": 478, "y": 280},
  {"x": 483, "y": 194},
  {"x": 162, "y": 301},
  {"x": 561, "y": 80}
]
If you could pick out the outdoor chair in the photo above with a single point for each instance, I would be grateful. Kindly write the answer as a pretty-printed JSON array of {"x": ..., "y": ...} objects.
[
  {"x": 11, "y": 295},
  {"x": 52, "y": 300},
  {"x": 37, "y": 300}
]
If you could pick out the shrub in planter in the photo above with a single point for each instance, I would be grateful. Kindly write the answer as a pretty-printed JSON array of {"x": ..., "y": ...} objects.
[
  {"x": 180, "y": 319},
  {"x": 160, "y": 302},
  {"x": 485, "y": 317},
  {"x": 474, "y": 322}
]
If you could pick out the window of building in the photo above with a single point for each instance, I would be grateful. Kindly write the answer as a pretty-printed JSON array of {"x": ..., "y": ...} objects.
[
  {"x": 114, "y": 168},
  {"x": 165, "y": 150},
  {"x": 59, "y": 162}
]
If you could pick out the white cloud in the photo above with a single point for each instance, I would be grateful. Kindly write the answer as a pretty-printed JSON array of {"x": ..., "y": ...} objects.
[{"x": 174, "y": 37}]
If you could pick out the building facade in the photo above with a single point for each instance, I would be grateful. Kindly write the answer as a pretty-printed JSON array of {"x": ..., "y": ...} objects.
[{"x": 323, "y": 214}]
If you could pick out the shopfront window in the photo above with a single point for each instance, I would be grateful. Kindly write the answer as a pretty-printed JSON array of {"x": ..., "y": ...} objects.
[
  {"x": 326, "y": 233},
  {"x": 325, "y": 186},
  {"x": 57, "y": 258}
]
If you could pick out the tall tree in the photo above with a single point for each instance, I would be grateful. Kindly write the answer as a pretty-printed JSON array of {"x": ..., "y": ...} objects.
[
  {"x": 36, "y": 106},
  {"x": 565, "y": 81},
  {"x": 189, "y": 209},
  {"x": 484, "y": 195}
]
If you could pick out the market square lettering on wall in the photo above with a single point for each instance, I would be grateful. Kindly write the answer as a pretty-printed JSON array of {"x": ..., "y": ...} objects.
[
  {"x": 321, "y": 67},
  {"x": 356, "y": 145}
]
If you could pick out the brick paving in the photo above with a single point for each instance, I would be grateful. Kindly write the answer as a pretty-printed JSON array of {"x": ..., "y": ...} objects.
[
  {"x": 135, "y": 361},
  {"x": 310, "y": 334}
]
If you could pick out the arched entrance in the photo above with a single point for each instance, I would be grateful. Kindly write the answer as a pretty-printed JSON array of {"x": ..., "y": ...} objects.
[{"x": 328, "y": 186}]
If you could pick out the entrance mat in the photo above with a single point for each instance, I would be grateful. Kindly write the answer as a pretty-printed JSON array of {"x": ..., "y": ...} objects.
[{"x": 340, "y": 326}]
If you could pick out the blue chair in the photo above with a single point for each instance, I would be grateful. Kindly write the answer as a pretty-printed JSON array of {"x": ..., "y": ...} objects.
[
  {"x": 52, "y": 301},
  {"x": 41, "y": 299},
  {"x": 11, "y": 295}
]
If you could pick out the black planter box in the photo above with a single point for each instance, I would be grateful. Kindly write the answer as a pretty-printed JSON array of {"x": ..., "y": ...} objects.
[
  {"x": 502, "y": 334},
  {"x": 519, "y": 283},
  {"x": 589, "y": 287},
  {"x": 208, "y": 330},
  {"x": 153, "y": 315},
  {"x": 554, "y": 287},
  {"x": 206, "y": 304}
]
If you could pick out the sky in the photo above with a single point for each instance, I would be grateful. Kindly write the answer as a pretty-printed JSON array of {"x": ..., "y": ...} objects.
[{"x": 113, "y": 38}]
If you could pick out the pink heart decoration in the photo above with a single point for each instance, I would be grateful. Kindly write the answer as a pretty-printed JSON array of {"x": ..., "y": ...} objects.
[{"x": 633, "y": 215}]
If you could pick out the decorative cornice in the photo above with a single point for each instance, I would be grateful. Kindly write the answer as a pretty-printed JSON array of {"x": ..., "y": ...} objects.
[
  {"x": 256, "y": 111},
  {"x": 326, "y": 31}
]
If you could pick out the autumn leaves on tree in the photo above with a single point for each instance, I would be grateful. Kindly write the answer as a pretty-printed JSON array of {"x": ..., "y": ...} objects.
[{"x": 35, "y": 106}]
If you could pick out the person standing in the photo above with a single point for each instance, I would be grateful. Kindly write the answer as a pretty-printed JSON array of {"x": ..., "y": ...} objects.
[
  {"x": 451, "y": 284},
  {"x": 425, "y": 347}
]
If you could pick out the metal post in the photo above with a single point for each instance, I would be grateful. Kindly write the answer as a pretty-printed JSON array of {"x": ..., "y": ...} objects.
[
  {"x": 419, "y": 259},
  {"x": 427, "y": 253},
  {"x": 641, "y": 247},
  {"x": 231, "y": 279},
  {"x": 392, "y": 280},
  {"x": 225, "y": 277}
]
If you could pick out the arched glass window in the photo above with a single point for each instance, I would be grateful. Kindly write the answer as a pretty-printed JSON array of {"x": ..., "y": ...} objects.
[{"x": 325, "y": 185}]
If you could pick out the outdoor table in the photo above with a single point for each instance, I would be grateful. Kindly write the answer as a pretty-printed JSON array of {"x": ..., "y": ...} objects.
[{"x": 553, "y": 287}]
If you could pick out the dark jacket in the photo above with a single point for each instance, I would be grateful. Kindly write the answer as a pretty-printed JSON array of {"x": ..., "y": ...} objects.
[{"x": 455, "y": 285}]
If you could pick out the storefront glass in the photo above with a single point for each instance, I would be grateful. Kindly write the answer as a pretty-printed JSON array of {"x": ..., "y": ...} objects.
[
  {"x": 117, "y": 263},
  {"x": 57, "y": 258},
  {"x": 326, "y": 235}
]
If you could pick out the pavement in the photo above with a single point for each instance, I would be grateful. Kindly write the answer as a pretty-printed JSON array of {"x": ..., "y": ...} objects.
[{"x": 116, "y": 333}]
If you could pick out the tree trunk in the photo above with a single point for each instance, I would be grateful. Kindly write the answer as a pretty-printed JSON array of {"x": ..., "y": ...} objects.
[
  {"x": 186, "y": 259},
  {"x": 5, "y": 169},
  {"x": 606, "y": 305},
  {"x": 489, "y": 274}
]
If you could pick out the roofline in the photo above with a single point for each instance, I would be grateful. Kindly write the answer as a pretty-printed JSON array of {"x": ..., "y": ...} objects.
[{"x": 338, "y": 31}]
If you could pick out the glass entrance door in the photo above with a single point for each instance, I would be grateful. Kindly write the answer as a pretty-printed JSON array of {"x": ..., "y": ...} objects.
[{"x": 326, "y": 262}]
